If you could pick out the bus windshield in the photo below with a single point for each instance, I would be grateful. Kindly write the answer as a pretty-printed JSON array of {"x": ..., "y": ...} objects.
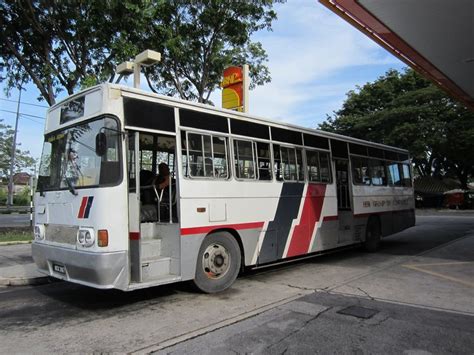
[{"x": 70, "y": 161}]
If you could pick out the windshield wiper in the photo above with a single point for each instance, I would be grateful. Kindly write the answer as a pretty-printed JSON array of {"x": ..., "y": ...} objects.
[{"x": 71, "y": 187}]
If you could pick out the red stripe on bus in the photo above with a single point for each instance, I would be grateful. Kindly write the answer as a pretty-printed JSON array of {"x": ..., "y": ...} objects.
[
  {"x": 207, "y": 229},
  {"x": 312, "y": 207},
  {"x": 330, "y": 218},
  {"x": 83, "y": 207},
  {"x": 134, "y": 235}
]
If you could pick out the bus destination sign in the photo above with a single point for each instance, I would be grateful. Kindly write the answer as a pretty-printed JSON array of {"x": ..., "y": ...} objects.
[{"x": 72, "y": 110}]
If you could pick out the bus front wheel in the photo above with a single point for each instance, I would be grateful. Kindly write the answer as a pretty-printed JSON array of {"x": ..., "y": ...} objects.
[
  {"x": 218, "y": 263},
  {"x": 373, "y": 234}
]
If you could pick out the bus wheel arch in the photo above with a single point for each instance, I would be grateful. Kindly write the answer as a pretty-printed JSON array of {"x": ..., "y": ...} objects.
[
  {"x": 373, "y": 234},
  {"x": 219, "y": 262}
]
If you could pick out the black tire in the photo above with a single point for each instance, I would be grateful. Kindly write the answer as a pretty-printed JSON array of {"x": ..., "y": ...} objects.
[
  {"x": 218, "y": 263},
  {"x": 373, "y": 235}
]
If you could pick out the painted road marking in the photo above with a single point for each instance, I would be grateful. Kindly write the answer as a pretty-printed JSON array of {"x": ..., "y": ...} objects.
[{"x": 421, "y": 268}]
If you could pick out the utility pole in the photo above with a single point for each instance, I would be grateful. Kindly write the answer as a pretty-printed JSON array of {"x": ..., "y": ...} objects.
[{"x": 12, "y": 163}]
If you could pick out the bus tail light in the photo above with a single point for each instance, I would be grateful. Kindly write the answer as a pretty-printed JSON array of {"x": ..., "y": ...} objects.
[{"x": 102, "y": 238}]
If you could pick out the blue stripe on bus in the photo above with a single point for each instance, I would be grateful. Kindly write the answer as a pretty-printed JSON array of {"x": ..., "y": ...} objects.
[
  {"x": 88, "y": 206},
  {"x": 278, "y": 230}
]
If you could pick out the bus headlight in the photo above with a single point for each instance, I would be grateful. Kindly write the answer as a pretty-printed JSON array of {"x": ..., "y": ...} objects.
[
  {"x": 39, "y": 232},
  {"x": 85, "y": 237}
]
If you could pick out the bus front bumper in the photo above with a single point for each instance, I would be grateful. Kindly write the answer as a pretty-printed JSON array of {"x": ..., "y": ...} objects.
[{"x": 98, "y": 270}]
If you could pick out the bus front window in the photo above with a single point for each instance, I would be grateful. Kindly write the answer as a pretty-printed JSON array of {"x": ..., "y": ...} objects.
[{"x": 70, "y": 161}]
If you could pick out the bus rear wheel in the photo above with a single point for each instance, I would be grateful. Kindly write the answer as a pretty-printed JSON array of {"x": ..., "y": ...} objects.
[
  {"x": 373, "y": 235},
  {"x": 218, "y": 263}
]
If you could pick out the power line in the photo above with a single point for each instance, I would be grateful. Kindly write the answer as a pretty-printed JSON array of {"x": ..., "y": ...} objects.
[
  {"x": 24, "y": 114},
  {"x": 41, "y": 123},
  {"x": 24, "y": 103}
]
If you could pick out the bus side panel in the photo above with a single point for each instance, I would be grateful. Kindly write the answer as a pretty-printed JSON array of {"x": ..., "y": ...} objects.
[{"x": 394, "y": 206}]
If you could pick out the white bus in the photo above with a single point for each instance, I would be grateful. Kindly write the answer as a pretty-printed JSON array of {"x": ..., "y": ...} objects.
[{"x": 241, "y": 191}]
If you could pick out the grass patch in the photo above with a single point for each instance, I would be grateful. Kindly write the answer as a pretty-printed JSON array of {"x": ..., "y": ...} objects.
[{"x": 16, "y": 235}]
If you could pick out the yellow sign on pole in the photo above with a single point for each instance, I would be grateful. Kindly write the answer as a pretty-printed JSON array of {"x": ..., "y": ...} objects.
[{"x": 235, "y": 88}]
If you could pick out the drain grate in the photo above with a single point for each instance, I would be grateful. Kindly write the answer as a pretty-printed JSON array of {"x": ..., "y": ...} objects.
[{"x": 359, "y": 312}]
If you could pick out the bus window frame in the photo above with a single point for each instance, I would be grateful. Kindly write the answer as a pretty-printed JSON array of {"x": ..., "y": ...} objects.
[
  {"x": 352, "y": 170},
  {"x": 371, "y": 165},
  {"x": 294, "y": 148},
  {"x": 205, "y": 133},
  {"x": 254, "y": 157},
  {"x": 319, "y": 162},
  {"x": 121, "y": 133}
]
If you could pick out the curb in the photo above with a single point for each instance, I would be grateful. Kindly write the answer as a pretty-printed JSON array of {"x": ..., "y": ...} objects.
[
  {"x": 15, "y": 242},
  {"x": 24, "y": 281}
]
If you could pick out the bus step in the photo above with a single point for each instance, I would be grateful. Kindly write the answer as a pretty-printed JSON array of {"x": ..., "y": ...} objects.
[
  {"x": 162, "y": 280},
  {"x": 154, "y": 268},
  {"x": 150, "y": 249}
]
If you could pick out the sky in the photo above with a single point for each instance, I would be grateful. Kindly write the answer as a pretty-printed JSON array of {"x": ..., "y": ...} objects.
[{"x": 314, "y": 58}]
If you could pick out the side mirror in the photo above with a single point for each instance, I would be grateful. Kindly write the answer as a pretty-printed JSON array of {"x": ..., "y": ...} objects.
[{"x": 100, "y": 144}]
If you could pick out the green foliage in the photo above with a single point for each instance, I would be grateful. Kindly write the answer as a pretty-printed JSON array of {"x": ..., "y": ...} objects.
[
  {"x": 23, "y": 160},
  {"x": 198, "y": 41},
  {"x": 66, "y": 45},
  {"x": 22, "y": 198},
  {"x": 3, "y": 195},
  {"x": 408, "y": 111}
]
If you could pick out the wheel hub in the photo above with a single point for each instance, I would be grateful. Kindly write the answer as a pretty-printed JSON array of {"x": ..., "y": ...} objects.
[{"x": 216, "y": 261}]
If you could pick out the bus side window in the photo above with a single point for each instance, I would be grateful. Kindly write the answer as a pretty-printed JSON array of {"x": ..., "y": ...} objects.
[
  {"x": 291, "y": 164},
  {"x": 244, "y": 157},
  {"x": 221, "y": 170},
  {"x": 205, "y": 156},
  {"x": 377, "y": 172},
  {"x": 263, "y": 161},
  {"x": 405, "y": 168},
  {"x": 360, "y": 171},
  {"x": 184, "y": 154},
  {"x": 278, "y": 163},
  {"x": 318, "y": 166},
  {"x": 324, "y": 167},
  {"x": 312, "y": 162},
  {"x": 394, "y": 177},
  {"x": 299, "y": 164}
]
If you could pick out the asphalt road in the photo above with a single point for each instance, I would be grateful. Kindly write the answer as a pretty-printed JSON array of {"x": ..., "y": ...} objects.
[{"x": 420, "y": 284}]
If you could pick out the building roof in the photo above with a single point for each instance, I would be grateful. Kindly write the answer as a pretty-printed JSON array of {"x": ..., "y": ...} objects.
[
  {"x": 21, "y": 179},
  {"x": 428, "y": 185},
  {"x": 434, "y": 37}
]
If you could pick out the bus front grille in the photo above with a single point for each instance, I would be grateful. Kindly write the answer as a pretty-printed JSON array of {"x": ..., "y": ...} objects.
[{"x": 61, "y": 234}]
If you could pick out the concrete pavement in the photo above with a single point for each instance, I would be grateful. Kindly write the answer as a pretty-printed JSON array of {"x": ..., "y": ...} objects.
[
  {"x": 17, "y": 267},
  {"x": 429, "y": 306}
]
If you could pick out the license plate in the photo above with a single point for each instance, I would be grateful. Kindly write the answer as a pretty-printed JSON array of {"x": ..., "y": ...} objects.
[{"x": 58, "y": 268}]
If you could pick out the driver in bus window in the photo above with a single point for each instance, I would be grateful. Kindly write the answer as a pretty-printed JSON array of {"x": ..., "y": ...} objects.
[{"x": 73, "y": 172}]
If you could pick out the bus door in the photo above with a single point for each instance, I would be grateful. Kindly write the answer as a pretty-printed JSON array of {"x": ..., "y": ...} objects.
[
  {"x": 153, "y": 218},
  {"x": 344, "y": 210}
]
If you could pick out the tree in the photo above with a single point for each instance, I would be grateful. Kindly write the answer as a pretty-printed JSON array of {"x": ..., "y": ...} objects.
[
  {"x": 408, "y": 111},
  {"x": 64, "y": 45},
  {"x": 198, "y": 41},
  {"x": 22, "y": 158}
]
